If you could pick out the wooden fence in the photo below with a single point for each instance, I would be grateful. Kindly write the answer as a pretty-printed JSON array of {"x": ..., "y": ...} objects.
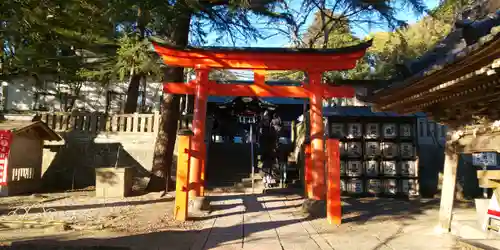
[{"x": 99, "y": 122}]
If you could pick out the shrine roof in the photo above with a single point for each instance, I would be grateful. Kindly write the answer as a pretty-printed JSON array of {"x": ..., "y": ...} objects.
[
  {"x": 22, "y": 126},
  {"x": 470, "y": 47}
]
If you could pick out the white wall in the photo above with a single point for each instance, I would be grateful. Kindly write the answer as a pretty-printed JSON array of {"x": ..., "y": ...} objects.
[{"x": 20, "y": 95}]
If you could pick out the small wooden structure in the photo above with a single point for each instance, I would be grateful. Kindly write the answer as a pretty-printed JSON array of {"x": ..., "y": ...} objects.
[
  {"x": 21, "y": 150},
  {"x": 457, "y": 84}
]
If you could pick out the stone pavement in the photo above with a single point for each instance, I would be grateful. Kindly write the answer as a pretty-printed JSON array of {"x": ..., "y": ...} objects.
[{"x": 276, "y": 222}]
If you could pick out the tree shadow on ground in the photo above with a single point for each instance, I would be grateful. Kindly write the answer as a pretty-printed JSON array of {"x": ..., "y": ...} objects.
[
  {"x": 4, "y": 211},
  {"x": 356, "y": 211}
]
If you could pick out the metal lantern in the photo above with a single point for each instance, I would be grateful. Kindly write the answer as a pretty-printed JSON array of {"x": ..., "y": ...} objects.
[
  {"x": 409, "y": 187},
  {"x": 342, "y": 168},
  {"x": 408, "y": 168},
  {"x": 354, "y": 168},
  {"x": 373, "y": 186},
  {"x": 371, "y": 168},
  {"x": 405, "y": 130},
  {"x": 406, "y": 150},
  {"x": 372, "y": 131},
  {"x": 390, "y": 186},
  {"x": 389, "y": 168},
  {"x": 354, "y": 149},
  {"x": 372, "y": 149},
  {"x": 355, "y": 186},
  {"x": 354, "y": 130},
  {"x": 389, "y": 130},
  {"x": 389, "y": 149},
  {"x": 337, "y": 130}
]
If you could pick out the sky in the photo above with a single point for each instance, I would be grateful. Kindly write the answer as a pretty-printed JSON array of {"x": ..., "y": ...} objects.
[{"x": 281, "y": 40}]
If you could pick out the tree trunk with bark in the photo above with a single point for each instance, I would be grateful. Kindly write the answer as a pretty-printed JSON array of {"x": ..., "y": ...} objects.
[
  {"x": 177, "y": 33},
  {"x": 132, "y": 93},
  {"x": 136, "y": 75}
]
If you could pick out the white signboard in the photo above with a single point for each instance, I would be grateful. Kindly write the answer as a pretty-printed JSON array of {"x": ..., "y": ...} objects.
[{"x": 484, "y": 159}]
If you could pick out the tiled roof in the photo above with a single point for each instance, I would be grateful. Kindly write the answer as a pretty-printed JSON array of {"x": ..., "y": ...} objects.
[{"x": 468, "y": 37}]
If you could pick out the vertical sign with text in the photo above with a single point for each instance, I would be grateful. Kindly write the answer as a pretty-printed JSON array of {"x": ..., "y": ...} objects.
[{"x": 5, "y": 140}]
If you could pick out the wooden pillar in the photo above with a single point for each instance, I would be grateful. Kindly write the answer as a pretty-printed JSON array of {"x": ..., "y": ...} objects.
[
  {"x": 196, "y": 172},
  {"x": 308, "y": 170},
  {"x": 448, "y": 188},
  {"x": 333, "y": 202},
  {"x": 182, "y": 182},
  {"x": 317, "y": 133}
]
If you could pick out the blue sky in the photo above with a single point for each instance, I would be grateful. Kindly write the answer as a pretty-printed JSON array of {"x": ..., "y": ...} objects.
[{"x": 281, "y": 40}]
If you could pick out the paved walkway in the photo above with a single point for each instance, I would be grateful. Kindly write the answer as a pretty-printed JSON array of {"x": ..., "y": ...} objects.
[{"x": 276, "y": 222}]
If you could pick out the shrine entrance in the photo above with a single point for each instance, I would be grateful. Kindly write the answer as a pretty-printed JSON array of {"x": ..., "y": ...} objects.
[
  {"x": 233, "y": 148},
  {"x": 192, "y": 161}
]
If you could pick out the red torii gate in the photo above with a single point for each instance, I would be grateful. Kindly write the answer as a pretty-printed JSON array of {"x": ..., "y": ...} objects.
[{"x": 312, "y": 61}]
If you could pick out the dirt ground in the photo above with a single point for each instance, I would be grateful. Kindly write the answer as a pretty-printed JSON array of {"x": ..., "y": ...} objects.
[{"x": 83, "y": 212}]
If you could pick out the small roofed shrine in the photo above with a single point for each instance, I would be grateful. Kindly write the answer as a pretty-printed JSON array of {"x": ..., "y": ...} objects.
[
  {"x": 312, "y": 61},
  {"x": 457, "y": 84},
  {"x": 231, "y": 118}
]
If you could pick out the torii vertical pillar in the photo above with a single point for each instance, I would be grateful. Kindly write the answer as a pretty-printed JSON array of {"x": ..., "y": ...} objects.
[
  {"x": 196, "y": 172},
  {"x": 317, "y": 134}
]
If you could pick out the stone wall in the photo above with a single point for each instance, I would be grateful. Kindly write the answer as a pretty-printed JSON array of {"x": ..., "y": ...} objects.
[{"x": 70, "y": 163}]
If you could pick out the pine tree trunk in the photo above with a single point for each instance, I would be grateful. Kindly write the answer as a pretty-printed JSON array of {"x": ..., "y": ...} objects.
[
  {"x": 178, "y": 34},
  {"x": 132, "y": 94},
  {"x": 165, "y": 141}
]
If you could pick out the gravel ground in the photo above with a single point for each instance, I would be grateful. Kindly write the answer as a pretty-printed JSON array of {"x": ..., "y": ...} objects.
[{"x": 82, "y": 210}]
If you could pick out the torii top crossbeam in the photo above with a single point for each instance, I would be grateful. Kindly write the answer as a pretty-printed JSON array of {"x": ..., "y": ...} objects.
[
  {"x": 264, "y": 58},
  {"x": 312, "y": 61}
]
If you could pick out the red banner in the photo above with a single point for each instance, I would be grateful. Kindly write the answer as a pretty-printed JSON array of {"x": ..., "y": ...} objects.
[{"x": 5, "y": 140}]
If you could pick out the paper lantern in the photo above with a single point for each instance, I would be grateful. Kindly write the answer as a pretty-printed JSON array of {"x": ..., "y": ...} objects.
[
  {"x": 390, "y": 187},
  {"x": 389, "y": 150},
  {"x": 354, "y": 130},
  {"x": 405, "y": 130},
  {"x": 409, "y": 187},
  {"x": 408, "y": 168},
  {"x": 406, "y": 150},
  {"x": 373, "y": 186},
  {"x": 389, "y": 130},
  {"x": 342, "y": 168},
  {"x": 354, "y": 168},
  {"x": 343, "y": 185},
  {"x": 337, "y": 130},
  {"x": 372, "y": 149},
  {"x": 342, "y": 148},
  {"x": 389, "y": 168},
  {"x": 372, "y": 131},
  {"x": 354, "y": 149},
  {"x": 371, "y": 168},
  {"x": 355, "y": 186}
]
